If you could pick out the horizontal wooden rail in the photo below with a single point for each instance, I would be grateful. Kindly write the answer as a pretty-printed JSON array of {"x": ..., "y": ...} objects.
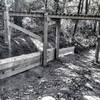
[
  {"x": 15, "y": 65},
  {"x": 41, "y": 14},
  {"x": 75, "y": 17}
]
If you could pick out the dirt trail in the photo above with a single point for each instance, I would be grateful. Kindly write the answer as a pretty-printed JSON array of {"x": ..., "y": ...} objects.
[{"x": 73, "y": 77}]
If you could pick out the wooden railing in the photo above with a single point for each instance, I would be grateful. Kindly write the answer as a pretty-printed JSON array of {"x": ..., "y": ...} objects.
[{"x": 15, "y": 65}]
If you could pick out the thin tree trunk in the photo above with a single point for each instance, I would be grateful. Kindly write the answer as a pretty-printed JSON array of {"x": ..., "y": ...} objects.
[
  {"x": 86, "y": 6},
  {"x": 18, "y": 8},
  {"x": 80, "y": 7},
  {"x": 95, "y": 24}
]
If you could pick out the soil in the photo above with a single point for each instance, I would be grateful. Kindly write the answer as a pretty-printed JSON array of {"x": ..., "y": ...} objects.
[{"x": 73, "y": 77}]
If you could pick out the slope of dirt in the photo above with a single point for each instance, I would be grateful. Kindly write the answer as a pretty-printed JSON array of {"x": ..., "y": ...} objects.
[{"x": 73, "y": 77}]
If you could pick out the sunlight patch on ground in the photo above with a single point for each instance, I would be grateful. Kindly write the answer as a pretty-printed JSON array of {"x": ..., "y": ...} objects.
[
  {"x": 17, "y": 42},
  {"x": 38, "y": 44},
  {"x": 89, "y": 57},
  {"x": 91, "y": 97},
  {"x": 96, "y": 77},
  {"x": 88, "y": 85},
  {"x": 61, "y": 71},
  {"x": 92, "y": 51},
  {"x": 97, "y": 80},
  {"x": 96, "y": 74},
  {"x": 47, "y": 98},
  {"x": 73, "y": 67},
  {"x": 22, "y": 39},
  {"x": 66, "y": 79},
  {"x": 66, "y": 72}
]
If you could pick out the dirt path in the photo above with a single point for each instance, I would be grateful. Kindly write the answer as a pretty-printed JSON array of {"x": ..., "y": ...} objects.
[{"x": 73, "y": 77}]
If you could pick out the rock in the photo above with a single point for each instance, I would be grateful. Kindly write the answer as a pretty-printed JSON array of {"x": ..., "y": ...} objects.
[
  {"x": 47, "y": 98},
  {"x": 88, "y": 85},
  {"x": 62, "y": 99}
]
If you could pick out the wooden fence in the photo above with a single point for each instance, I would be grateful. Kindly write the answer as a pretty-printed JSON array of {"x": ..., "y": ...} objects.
[{"x": 15, "y": 65}]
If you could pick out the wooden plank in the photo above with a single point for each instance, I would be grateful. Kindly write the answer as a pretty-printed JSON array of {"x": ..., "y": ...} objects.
[
  {"x": 25, "y": 31},
  {"x": 57, "y": 39},
  {"x": 76, "y": 17},
  {"x": 15, "y": 65},
  {"x": 13, "y": 61},
  {"x": 45, "y": 39},
  {"x": 41, "y": 14},
  {"x": 26, "y": 15}
]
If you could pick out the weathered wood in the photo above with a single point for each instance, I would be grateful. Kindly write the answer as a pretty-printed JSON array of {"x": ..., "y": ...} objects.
[
  {"x": 41, "y": 14},
  {"x": 7, "y": 28},
  {"x": 75, "y": 17},
  {"x": 97, "y": 44},
  {"x": 25, "y": 31},
  {"x": 45, "y": 40},
  {"x": 15, "y": 65},
  {"x": 57, "y": 39},
  {"x": 6, "y": 23}
]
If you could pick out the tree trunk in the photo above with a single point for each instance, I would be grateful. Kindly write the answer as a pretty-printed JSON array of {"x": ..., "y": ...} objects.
[
  {"x": 80, "y": 7},
  {"x": 18, "y": 8},
  {"x": 86, "y": 6}
]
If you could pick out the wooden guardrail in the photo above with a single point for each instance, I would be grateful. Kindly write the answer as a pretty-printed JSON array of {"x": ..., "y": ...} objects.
[
  {"x": 15, "y": 65},
  {"x": 41, "y": 15},
  {"x": 63, "y": 16}
]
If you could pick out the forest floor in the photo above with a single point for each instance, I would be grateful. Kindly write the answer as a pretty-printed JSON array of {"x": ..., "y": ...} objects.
[{"x": 72, "y": 77}]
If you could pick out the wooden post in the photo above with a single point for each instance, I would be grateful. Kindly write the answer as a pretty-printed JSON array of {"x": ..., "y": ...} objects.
[
  {"x": 57, "y": 38},
  {"x": 6, "y": 25},
  {"x": 45, "y": 40},
  {"x": 98, "y": 44},
  {"x": 7, "y": 28}
]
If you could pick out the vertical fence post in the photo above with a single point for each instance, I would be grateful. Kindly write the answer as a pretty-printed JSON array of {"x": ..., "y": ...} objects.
[
  {"x": 45, "y": 40},
  {"x": 7, "y": 28},
  {"x": 6, "y": 25},
  {"x": 57, "y": 38},
  {"x": 97, "y": 44}
]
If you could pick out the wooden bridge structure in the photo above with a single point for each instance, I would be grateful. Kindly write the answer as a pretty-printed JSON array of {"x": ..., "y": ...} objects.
[{"x": 15, "y": 65}]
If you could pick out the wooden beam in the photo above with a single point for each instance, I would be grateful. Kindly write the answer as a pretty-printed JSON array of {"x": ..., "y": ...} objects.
[
  {"x": 57, "y": 38},
  {"x": 15, "y": 65},
  {"x": 45, "y": 40},
  {"x": 25, "y": 31},
  {"x": 26, "y": 15},
  {"x": 41, "y": 15},
  {"x": 75, "y": 17}
]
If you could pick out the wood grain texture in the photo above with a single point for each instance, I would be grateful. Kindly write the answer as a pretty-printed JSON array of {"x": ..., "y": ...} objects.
[
  {"x": 15, "y": 65},
  {"x": 25, "y": 31}
]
